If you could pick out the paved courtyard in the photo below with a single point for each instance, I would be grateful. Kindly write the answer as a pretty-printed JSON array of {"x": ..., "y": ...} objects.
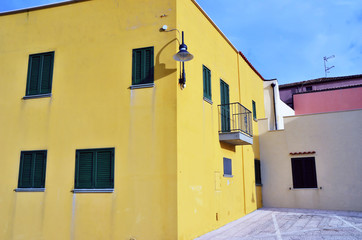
[{"x": 291, "y": 224}]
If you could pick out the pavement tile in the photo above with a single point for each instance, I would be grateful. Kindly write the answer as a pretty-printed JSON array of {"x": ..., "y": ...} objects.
[{"x": 291, "y": 224}]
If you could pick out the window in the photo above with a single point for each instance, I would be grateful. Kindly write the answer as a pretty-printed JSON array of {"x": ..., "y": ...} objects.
[
  {"x": 142, "y": 66},
  {"x": 309, "y": 88},
  {"x": 207, "y": 82},
  {"x": 304, "y": 172},
  {"x": 254, "y": 110},
  {"x": 94, "y": 168},
  {"x": 32, "y": 169},
  {"x": 40, "y": 74},
  {"x": 227, "y": 167},
  {"x": 257, "y": 172}
]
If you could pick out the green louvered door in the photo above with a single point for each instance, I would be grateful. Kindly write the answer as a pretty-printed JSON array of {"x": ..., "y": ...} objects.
[{"x": 225, "y": 107}]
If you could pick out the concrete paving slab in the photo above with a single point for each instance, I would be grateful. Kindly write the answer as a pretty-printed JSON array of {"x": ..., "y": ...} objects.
[{"x": 291, "y": 224}]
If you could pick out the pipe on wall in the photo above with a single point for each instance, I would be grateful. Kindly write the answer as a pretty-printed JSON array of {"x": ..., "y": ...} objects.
[{"x": 275, "y": 113}]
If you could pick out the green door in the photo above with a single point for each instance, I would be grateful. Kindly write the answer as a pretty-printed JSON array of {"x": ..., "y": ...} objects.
[{"x": 225, "y": 107}]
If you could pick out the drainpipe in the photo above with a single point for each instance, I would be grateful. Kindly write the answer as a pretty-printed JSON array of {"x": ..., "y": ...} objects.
[
  {"x": 242, "y": 148},
  {"x": 275, "y": 112}
]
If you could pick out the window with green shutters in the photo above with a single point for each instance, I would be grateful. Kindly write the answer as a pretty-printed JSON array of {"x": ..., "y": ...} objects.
[
  {"x": 32, "y": 169},
  {"x": 40, "y": 74},
  {"x": 94, "y": 168},
  {"x": 207, "y": 82},
  {"x": 142, "y": 66},
  {"x": 254, "y": 110}
]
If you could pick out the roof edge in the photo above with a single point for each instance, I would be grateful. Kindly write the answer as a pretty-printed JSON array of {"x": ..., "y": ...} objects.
[
  {"x": 67, "y": 2},
  {"x": 323, "y": 79},
  {"x": 226, "y": 39},
  {"x": 252, "y": 67}
]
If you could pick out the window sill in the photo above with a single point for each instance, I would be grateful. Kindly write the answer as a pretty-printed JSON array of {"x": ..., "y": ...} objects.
[
  {"x": 38, "y": 96},
  {"x": 228, "y": 175},
  {"x": 29, "y": 190},
  {"x": 104, "y": 190},
  {"x": 259, "y": 184},
  {"x": 146, "y": 85},
  {"x": 255, "y": 119},
  {"x": 208, "y": 100}
]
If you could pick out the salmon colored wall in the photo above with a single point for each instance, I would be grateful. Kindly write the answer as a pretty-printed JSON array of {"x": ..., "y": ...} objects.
[{"x": 328, "y": 101}]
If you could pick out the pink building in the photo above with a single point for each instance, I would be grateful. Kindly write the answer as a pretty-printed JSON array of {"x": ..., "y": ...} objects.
[
  {"x": 331, "y": 100},
  {"x": 287, "y": 91}
]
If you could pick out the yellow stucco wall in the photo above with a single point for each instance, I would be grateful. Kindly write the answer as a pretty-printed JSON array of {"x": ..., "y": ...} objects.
[
  {"x": 91, "y": 107},
  {"x": 206, "y": 199},
  {"x": 169, "y": 180}
]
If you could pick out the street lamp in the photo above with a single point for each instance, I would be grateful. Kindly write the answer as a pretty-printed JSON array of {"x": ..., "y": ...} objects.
[{"x": 182, "y": 56}]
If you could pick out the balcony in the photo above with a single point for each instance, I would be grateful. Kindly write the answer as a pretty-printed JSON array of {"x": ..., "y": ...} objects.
[{"x": 235, "y": 124}]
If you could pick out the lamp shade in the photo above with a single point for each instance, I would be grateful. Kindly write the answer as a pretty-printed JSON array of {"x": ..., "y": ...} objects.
[{"x": 183, "y": 55}]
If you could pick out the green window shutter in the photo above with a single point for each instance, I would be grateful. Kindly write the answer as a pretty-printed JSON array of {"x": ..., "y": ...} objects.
[
  {"x": 39, "y": 169},
  {"x": 84, "y": 169},
  {"x": 94, "y": 168},
  {"x": 104, "y": 173},
  {"x": 207, "y": 82},
  {"x": 254, "y": 110},
  {"x": 142, "y": 66},
  {"x": 225, "y": 107},
  {"x": 40, "y": 73},
  {"x": 47, "y": 73},
  {"x": 32, "y": 169},
  {"x": 34, "y": 75},
  {"x": 25, "y": 173}
]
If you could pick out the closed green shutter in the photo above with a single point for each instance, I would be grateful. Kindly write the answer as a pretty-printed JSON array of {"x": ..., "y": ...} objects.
[
  {"x": 104, "y": 169},
  {"x": 254, "y": 110},
  {"x": 94, "y": 168},
  {"x": 142, "y": 66},
  {"x": 40, "y": 73},
  {"x": 25, "y": 174},
  {"x": 85, "y": 170},
  {"x": 34, "y": 75},
  {"x": 32, "y": 169},
  {"x": 39, "y": 169},
  {"x": 225, "y": 106},
  {"x": 207, "y": 82},
  {"x": 47, "y": 73}
]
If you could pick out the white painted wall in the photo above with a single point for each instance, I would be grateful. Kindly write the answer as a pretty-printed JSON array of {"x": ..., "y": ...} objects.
[
  {"x": 336, "y": 138},
  {"x": 281, "y": 108}
]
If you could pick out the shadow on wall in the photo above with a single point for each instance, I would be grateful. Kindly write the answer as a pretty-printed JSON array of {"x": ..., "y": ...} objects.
[
  {"x": 162, "y": 71},
  {"x": 227, "y": 146}
]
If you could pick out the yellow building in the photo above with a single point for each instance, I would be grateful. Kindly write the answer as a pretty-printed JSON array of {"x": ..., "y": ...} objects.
[{"x": 98, "y": 138}]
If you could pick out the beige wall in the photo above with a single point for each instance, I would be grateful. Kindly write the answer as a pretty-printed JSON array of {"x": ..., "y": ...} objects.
[{"x": 336, "y": 138}]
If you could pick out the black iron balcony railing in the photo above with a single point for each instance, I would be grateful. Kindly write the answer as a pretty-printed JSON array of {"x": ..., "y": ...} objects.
[{"x": 234, "y": 117}]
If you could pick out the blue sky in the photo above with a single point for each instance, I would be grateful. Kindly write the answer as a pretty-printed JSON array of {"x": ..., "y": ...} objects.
[{"x": 283, "y": 39}]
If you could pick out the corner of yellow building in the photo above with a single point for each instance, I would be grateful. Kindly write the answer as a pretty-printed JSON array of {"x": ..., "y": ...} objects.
[{"x": 169, "y": 173}]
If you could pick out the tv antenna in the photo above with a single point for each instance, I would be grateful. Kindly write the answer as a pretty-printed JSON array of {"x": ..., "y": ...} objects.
[{"x": 326, "y": 69}]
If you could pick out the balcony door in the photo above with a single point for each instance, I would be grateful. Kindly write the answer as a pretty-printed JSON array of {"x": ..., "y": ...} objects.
[{"x": 225, "y": 107}]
